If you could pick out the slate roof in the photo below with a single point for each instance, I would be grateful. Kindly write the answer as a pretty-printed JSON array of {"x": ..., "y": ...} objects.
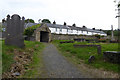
[
  {"x": 57, "y": 26},
  {"x": 63, "y": 27},
  {"x": 26, "y": 25},
  {"x": 74, "y": 28}
]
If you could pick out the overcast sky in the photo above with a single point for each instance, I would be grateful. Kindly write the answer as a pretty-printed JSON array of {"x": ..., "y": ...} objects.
[{"x": 99, "y": 14}]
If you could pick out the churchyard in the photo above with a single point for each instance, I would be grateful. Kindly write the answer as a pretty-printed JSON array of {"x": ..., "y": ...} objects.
[
  {"x": 84, "y": 53},
  {"x": 17, "y": 61},
  {"x": 24, "y": 59},
  {"x": 33, "y": 64}
]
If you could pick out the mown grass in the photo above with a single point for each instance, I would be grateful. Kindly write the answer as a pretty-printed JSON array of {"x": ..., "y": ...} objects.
[
  {"x": 8, "y": 54},
  {"x": 85, "y": 53}
]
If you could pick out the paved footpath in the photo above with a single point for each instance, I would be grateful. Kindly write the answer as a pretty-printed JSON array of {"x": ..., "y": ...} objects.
[{"x": 57, "y": 66}]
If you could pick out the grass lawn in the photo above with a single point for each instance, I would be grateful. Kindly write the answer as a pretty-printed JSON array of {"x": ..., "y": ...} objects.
[
  {"x": 36, "y": 67},
  {"x": 0, "y": 59},
  {"x": 8, "y": 54},
  {"x": 85, "y": 53}
]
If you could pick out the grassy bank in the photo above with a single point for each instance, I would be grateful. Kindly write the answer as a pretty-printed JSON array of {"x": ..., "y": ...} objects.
[
  {"x": 8, "y": 54},
  {"x": 84, "y": 53},
  {"x": 36, "y": 67}
]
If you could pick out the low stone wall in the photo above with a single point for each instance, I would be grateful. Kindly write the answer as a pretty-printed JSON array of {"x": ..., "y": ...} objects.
[
  {"x": 68, "y": 37},
  {"x": 112, "y": 56},
  {"x": 32, "y": 38},
  {"x": 66, "y": 42},
  {"x": 98, "y": 47}
]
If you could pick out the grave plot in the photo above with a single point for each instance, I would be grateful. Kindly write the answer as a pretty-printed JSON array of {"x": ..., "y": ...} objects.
[
  {"x": 112, "y": 56},
  {"x": 66, "y": 42},
  {"x": 98, "y": 47},
  {"x": 88, "y": 53}
]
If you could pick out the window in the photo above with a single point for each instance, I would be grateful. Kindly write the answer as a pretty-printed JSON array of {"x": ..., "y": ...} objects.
[
  {"x": 67, "y": 30},
  {"x": 71, "y": 31},
  {"x": 77, "y": 31},
  {"x": 87, "y": 32},
  {"x": 60, "y": 29},
  {"x": 56, "y": 29}
]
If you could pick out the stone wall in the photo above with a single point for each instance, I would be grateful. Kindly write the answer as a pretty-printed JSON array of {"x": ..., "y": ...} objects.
[
  {"x": 112, "y": 56},
  {"x": 68, "y": 37}
]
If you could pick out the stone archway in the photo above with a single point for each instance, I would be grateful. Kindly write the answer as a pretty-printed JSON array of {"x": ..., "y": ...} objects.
[{"x": 43, "y": 33}]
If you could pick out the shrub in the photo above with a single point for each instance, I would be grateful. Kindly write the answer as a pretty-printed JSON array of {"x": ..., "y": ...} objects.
[
  {"x": 30, "y": 30},
  {"x": 102, "y": 40},
  {"x": 98, "y": 36}
]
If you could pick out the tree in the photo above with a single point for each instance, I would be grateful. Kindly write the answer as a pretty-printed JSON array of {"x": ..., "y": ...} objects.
[
  {"x": 3, "y": 20},
  {"x": 29, "y": 20},
  {"x": 116, "y": 32},
  {"x": 97, "y": 36},
  {"x": 109, "y": 32},
  {"x": 46, "y": 21}
]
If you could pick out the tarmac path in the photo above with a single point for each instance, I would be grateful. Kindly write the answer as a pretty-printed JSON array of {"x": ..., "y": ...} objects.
[{"x": 57, "y": 66}]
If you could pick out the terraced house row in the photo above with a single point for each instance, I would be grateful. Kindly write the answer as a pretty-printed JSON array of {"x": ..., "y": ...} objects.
[{"x": 67, "y": 29}]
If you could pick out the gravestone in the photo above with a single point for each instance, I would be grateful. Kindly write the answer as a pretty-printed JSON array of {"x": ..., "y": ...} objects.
[
  {"x": 112, "y": 56},
  {"x": 91, "y": 59},
  {"x": 14, "y": 31}
]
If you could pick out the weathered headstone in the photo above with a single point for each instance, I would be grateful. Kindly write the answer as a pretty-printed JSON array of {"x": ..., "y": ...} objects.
[
  {"x": 91, "y": 59},
  {"x": 112, "y": 56},
  {"x": 14, "y": 31}
]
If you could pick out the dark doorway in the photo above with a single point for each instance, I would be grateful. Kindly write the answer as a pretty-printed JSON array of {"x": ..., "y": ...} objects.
[{"x": 44, "y": 36}]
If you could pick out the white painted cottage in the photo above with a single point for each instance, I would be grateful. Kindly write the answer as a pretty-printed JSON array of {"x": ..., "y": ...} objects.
[{"x": 66, "y": 29}]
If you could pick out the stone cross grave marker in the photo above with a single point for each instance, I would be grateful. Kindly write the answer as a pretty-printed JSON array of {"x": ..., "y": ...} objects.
[
  {"x": 112, "y": 34},
  {"x": 14, "y": 31}
]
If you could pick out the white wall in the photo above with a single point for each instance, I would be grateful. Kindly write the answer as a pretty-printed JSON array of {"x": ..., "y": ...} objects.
[
  {"x": 84, "y": 32},
  {"x": 53, "y": 30},
  {"x": 79, "y": 32},
  {"x": 74, "y": 32},
  {"x": 103, "y": 34},
  {"x": 57, "y": 30},
  {"x": 89, "y": 33},
  {"x": 64, "y": 31}
]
